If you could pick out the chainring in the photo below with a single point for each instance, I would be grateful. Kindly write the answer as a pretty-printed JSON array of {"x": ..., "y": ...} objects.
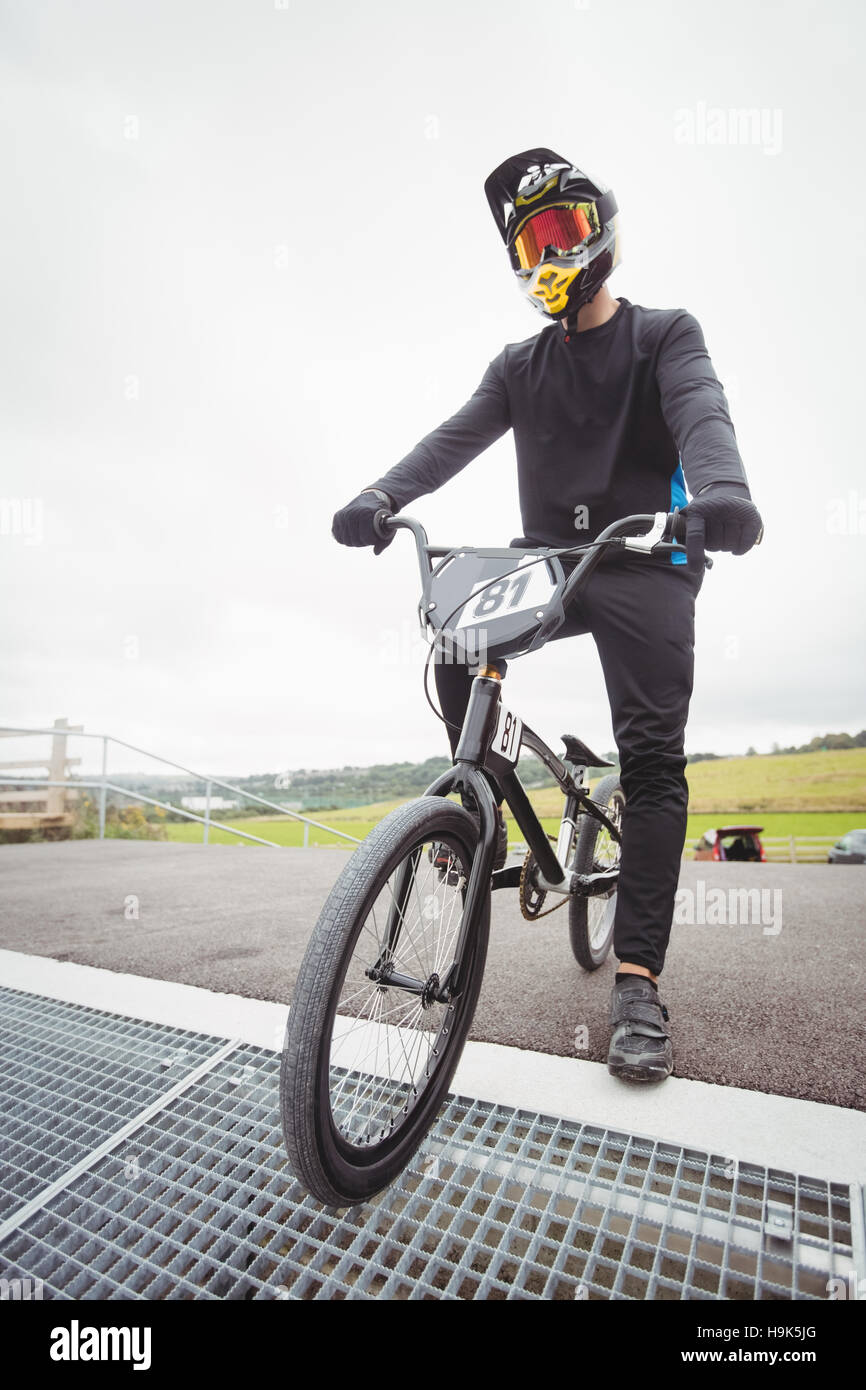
[{"x": 531, "y": 897}]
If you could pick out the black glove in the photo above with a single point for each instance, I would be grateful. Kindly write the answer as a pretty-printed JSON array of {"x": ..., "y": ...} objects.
[
  {"x": 722, "y": 517},
  {"x": 353, "y": 524}
]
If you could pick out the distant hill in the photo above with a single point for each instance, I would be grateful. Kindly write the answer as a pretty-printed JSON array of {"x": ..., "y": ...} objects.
[
  {"x": 829, "y": 773},
  {"x": 821, "y": 781},
  {"x": 833, "y": 781},
  {"x": 313, "y": 789},
  {"x": 799, "y": 782},
  {"x": 318, "y": 789}
]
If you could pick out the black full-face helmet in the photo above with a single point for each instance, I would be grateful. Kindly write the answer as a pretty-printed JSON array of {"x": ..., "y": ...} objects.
[{"x": 560, "y": 229}]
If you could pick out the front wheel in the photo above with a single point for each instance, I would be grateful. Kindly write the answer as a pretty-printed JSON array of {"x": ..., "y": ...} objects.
[
  {"x": 590, "y": 919},
  {"x": 372, "y": 1040}
]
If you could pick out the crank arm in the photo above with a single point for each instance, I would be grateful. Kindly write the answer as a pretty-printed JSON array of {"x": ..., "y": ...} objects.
[
  {"x": 595, "y": 885},
  {"x": 586, "y": 885},
  {"x": 506, "y": 878}
]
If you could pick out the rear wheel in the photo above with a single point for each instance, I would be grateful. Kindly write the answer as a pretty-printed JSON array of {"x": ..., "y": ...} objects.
[
  {"x": 372, "y": 1041},
  {"x": 590, "y": 919}
]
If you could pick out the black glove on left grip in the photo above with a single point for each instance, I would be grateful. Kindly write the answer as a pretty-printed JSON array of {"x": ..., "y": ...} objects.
[{"x": 353, "y": 524}]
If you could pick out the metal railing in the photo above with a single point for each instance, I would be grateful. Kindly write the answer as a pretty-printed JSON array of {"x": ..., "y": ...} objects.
[
  {"x": 103, "y": 786},
  {"x": 787, "y": 849},
  {"x": 798, "y": 849}
]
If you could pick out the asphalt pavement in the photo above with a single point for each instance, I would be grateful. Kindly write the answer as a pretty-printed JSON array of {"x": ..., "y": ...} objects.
[{"x": 774, "y": 1002}]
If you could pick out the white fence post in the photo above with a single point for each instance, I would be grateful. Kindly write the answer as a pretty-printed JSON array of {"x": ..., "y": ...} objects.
[{"x": 103, "y": 790}]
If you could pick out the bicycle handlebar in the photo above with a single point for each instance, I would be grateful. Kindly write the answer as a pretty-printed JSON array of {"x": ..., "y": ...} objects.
[
  {"x": 662, "y": 525},
  {"x": 384, "y": 522}
]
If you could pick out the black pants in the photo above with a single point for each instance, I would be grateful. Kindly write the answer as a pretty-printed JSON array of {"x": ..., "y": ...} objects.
[{"x": 641, "y": 616}]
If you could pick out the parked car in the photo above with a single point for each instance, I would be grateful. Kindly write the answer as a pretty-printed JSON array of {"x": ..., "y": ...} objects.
[
  {"x": 741, "y": 843},
  {"x": 851, "y": 849}
]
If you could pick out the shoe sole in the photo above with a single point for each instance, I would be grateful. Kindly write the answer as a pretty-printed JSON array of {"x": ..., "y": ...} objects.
[
  {"x": 630, "y": 1071},
  {"x": 635, "y": 1067}
]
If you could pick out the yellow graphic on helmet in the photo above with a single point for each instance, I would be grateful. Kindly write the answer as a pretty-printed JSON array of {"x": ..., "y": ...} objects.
[
  {"x": 551, "y": 287},
  {"x": 523, "y": 198}
]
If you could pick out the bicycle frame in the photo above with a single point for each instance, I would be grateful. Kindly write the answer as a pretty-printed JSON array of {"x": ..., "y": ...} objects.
[{"x": 475, "y": 756}]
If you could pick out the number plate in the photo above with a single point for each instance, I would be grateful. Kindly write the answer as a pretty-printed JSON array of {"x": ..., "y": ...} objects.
[
  {"x": 506, "y": 736},
  {"x": 529, "y": 588}
]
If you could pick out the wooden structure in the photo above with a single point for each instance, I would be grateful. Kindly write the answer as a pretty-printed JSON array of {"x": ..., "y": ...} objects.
[{"x": 33, "y": 808}]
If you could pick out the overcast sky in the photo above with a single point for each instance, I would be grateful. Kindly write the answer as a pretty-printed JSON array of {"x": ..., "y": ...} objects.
[{"x": 247, "y": 263}]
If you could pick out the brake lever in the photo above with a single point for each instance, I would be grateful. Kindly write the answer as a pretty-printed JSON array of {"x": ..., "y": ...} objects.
[
  {"x": 673, "y": 546},
  {"x": 651, "y": 539}
]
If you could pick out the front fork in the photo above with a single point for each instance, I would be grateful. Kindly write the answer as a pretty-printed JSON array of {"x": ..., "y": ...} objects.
[{"x": 466, "y": 776}]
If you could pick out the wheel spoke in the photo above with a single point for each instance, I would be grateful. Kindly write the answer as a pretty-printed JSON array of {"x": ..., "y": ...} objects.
[
  {"x": 597, "y": 851},
  {"x": 384, "y": 1039},
  {"x": 367, "y": 1060}
]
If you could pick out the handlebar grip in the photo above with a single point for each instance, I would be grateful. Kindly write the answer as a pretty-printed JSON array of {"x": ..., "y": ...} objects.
[
  {"x": 380, "y": 523},
  {"x": 676, "y": 527}
]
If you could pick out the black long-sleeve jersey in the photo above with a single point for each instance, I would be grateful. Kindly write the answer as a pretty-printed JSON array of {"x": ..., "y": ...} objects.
[{"x": 607, "y": 422}]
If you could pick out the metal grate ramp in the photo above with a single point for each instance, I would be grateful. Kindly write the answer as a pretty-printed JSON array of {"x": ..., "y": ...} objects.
[{"x": 184, "y": 1191}]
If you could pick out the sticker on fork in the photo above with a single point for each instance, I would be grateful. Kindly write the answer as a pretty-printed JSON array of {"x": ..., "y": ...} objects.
[{"x": 506, "y": 736}]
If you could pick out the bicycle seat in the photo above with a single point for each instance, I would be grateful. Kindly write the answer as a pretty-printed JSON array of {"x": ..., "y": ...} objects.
[{"x": 577, "y": 752}]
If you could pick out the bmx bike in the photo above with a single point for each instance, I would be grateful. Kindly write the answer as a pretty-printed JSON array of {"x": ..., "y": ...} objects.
[{"x": 390, "y": 979}]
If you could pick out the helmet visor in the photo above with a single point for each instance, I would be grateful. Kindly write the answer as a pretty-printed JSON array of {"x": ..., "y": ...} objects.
[{"x": 564, "y": 229}]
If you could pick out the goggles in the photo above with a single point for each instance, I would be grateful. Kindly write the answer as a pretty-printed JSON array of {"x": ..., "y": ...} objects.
[{"x": 565, "y": 229}]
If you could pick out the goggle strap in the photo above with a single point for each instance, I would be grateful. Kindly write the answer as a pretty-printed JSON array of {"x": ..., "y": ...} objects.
[{"x": 606, "y": 207}]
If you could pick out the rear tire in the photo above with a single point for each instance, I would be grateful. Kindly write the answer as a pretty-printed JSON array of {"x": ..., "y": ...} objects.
[
  {"x": 590, "y": 919},
  {"x": 366, "y": 1065}
]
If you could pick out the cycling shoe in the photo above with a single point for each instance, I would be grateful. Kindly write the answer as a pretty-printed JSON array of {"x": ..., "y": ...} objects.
[{"x": 640, "y": 1044}]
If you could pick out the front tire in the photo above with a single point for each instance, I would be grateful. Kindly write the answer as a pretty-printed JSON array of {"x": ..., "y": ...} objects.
[
  {"x": 590, "y": 919},
  {"x": 366, "y": 1065}
]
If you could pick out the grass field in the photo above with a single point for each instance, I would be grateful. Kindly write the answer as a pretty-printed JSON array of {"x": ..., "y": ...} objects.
[
  {"x": 286, "y": 832},
  {"x": 832, "y": 781},
  {"x": 799, "y": 782}
]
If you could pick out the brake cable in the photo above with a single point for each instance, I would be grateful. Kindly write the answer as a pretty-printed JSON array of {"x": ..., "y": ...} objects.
[{"x": 539, "y": 559}]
